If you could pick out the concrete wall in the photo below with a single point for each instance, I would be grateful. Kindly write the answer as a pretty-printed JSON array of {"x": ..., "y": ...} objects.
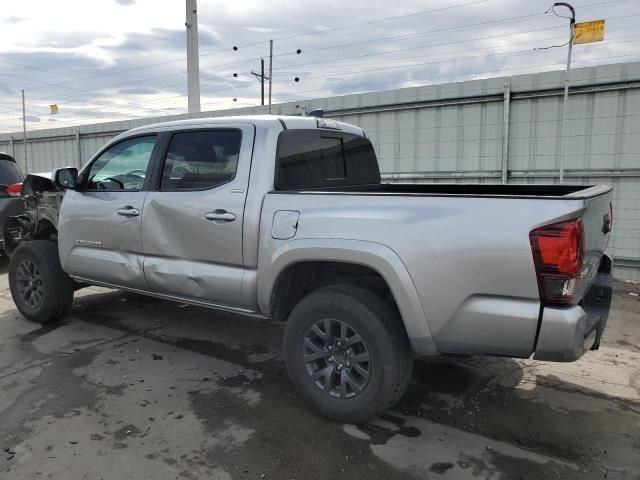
[{"x": 490, "y": 130}]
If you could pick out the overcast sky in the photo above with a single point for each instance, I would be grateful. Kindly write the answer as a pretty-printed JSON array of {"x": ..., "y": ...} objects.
[{"x": 104, "y": 60}]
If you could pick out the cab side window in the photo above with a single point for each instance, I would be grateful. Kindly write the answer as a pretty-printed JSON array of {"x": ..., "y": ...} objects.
[
  {"x": 319, "y": 159},
  {"x": 201, "y": 159},
  {"x": 123, "y": 166}
]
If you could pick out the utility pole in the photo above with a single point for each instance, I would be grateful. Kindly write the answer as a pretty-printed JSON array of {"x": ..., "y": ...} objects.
[
  {"x": 261, "y": 78},
  {"x": 270, "y": 70},
  {"x": 563, "y": 144},
  {"x": 193, "y": 57},
  {"x": 24, "y": 133},
  {"x": 262, "y": 81}
]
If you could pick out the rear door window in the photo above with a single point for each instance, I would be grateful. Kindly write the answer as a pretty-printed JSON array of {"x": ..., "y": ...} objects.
[
  {"x": 318, "y": 159},
  {"x": 201, "y": 159},
  {"x": 10, "y": 173}
]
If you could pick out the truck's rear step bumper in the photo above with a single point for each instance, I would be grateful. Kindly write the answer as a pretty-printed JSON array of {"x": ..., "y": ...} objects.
[{"x": 567, "y": 333}]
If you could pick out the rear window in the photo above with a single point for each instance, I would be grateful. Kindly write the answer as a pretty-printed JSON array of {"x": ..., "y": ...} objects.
[
  {"x": 318, "y": 159},
  {"x": 10, "y": 173}
]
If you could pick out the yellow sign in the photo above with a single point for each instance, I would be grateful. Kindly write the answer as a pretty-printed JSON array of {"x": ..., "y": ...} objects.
[
  {"x": 54, "y": 109},
  {"x": 587, "y": 32}
]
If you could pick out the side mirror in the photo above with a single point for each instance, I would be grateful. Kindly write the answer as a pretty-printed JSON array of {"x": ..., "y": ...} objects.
[{"x": 66, "y": 178}]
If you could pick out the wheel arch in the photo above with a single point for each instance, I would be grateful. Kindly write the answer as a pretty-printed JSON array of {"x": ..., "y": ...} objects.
[
  {"x": 46, "y": 230},
  {"x": 370, "y": 259}
]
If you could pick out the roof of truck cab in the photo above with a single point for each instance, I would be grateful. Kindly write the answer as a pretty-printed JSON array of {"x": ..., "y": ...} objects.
[{"x": 279, "y": 122}]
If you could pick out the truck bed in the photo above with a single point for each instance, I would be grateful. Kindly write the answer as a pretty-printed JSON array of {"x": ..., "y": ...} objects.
[{"x": 470, "y": 189}]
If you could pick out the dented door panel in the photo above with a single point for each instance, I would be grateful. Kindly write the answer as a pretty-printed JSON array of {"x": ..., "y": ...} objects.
[
  {"x": 96, "y": 243},
  {"x": 193, "y": 238}
]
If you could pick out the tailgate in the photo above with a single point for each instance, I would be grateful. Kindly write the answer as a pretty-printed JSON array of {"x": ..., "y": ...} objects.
[{"x": 597, "y": 220}]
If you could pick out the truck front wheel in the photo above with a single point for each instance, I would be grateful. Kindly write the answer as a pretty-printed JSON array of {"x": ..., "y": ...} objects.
[
  {"x": 347, "y": 353},
  {"x": 41, "y": 290}
]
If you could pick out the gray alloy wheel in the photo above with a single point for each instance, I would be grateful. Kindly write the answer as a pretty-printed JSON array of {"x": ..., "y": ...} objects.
[
  {"x": 29, "y": 283},
  {"x": 336, "y": 358},
  {"x": 41, "y": 290},
  {"x": 347, "y": 352}
]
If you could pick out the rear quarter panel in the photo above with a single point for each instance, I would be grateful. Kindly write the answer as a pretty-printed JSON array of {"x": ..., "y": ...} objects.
[{"x": 468, "y": 257}]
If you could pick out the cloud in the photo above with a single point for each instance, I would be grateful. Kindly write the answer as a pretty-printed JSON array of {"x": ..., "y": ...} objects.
[
  {"x": 137, "y": 91},
  {"x": 67, "y": 40},
  {"x": 261, "y": 29},
  {"x": 6, "y": 89},
  {"x": 111, "y": 66},
  {"x": 12, "y": 19},
  {"x": 161, "y": 40}
]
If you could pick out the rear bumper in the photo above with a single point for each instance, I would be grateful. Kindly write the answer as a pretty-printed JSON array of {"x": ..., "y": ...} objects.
[{"x": 567, "y": 333}]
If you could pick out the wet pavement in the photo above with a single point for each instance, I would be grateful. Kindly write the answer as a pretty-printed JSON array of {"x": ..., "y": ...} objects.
[{"x": 134, "y": 387}]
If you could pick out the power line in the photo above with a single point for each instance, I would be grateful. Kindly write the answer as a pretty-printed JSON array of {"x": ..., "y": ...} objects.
[
  {"x": 164, "y": 99},
  {"x": 458, "y": 76},
  {"x": 71, "y": 96},
  {"x": 440, "y": 77},
  {"x": 343, "y": 58},
  {"x": 315, "y": 32},
  {"x": 510, "y": 19},
  {"x": 120, "y": 84},
  {"x": 145, "y": 104},
  {"x": 454, "y": 28},
  {"x": 387, "y": 19},
  {"x": 328, "y": 74}
]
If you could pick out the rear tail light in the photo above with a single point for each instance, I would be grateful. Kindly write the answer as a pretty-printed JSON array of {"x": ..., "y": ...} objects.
[
  {"x": 14, "y": 190},
  {"x": 558, "y": 255},
  {"x": 610, "y": 215}
]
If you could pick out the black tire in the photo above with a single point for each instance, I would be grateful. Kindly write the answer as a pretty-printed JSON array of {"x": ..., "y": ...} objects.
[
  {"x": 383, "y": 337},
  {"x": 54, "y": 288}
]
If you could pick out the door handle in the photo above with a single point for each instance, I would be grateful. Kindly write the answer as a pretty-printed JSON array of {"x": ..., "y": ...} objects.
[
  {"x": 128, "y": 211},
  {"x": 220, "y": 216}
]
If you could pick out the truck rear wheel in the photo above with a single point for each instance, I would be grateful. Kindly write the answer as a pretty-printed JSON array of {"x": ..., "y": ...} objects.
[
  {"x": 41, "y": 290},
  {"x": 347, "y": 353}
]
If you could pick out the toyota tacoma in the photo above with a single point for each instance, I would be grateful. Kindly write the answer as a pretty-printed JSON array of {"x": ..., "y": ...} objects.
[{"x": 287, "y": 218}]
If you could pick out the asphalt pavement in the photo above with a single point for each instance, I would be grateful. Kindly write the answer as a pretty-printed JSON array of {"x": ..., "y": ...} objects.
[{"x": 135, "y": 387}]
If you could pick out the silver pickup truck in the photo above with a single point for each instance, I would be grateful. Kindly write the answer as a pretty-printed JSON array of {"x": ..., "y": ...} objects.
[{"x": 287, "y": 218}]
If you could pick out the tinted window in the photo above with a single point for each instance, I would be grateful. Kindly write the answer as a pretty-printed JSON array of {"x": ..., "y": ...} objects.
[
  {"x": 317, "y": 159},
  {"x": 9, "y": 173},
  {"x": 123, "y": 166},
  {"x": 203, "y": 159}
]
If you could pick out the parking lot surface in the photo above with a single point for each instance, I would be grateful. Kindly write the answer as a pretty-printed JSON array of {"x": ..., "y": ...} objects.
[{"x": 134, "y": 387}]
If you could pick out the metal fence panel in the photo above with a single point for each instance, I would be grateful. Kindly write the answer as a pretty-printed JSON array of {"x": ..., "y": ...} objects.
[{"x": 457, "y": 133}]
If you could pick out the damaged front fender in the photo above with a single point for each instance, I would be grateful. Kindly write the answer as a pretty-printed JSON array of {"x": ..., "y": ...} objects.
[{"x": 42, "y": 200}]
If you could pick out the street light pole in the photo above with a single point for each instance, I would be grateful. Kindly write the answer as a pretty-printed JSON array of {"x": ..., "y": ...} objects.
[{"x": 563, "y": 144}]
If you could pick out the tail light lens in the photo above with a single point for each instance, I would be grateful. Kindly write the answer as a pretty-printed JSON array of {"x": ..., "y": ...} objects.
[
  {"x": 558, "y": 255},
  {"x": 14, "y": 190}
]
